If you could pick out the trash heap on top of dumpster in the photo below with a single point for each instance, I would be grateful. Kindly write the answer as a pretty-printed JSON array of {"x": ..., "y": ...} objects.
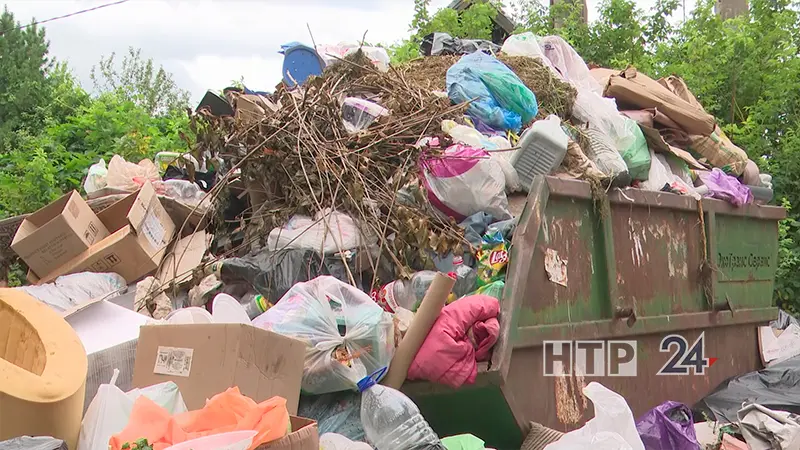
[{"x": 318, "y": 246}]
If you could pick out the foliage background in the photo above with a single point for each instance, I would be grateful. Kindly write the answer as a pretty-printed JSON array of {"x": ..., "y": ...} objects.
[{"x": 745, "y": 71}]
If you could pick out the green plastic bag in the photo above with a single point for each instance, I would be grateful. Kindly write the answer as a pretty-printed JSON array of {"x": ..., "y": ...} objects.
[
  {"x": 511, "y": 94},
  {"x": 494, "y": 289},
  {"x": 637, "y": 155}
]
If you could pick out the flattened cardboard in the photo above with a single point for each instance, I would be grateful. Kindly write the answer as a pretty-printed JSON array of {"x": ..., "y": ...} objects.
[
  {"x": 304, "y": 436},
  {"x": 57, "y": 233},
  {"x": 261, "y": 363},
  {"x": 186, "y": 255},
  {"x": 140, "y": 232}
]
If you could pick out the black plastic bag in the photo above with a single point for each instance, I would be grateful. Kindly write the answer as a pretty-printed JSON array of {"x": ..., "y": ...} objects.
[
  {"x": 776, "y": 387},
  {"x": 439, "y": 44}
]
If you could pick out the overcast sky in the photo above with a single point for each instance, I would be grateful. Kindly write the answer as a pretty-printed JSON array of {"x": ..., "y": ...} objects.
[{"x": 206, "y": 44}]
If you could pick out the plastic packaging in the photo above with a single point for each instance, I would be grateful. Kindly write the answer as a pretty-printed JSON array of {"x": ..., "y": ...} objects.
[
  {"x": 391, "y": 420},
  {"x": 668, "y": 426},
  {"x": 347, "y": 334},
  {"x": 493, "y": 258},
  {"x": 331, "y": 54},
  {"x": 337, "y": 412},
  {"x": 524, "y": 44},
  {"x": 328, "y": 232},
  {"x": 602, "y": 152},
  {"x": 33, "y": 443},
  {"x": 542, "y": 148},
  {"x": 358, "y": 114},
  {"x": 611, "y": 428},
  {"x": 766, "y": 180},
  {"x": 190, "y": 315},
  {"x": 128, "y": 176},
  {"x": 111, "y": 409},
  {"x": 233, "y": 440},
  {"x": 255, "y": 304},
  {"x": 590, "y": 105},
  {"x": 497, "y": 97},
  {"x": 776, "y": 387},
  {"x": 226, "y": 309},
  {"x": 637, "y": 155},
  {"x": 726, "y": 187},
  {"x": 474, "y": 138},
  {"x": 68, "y": 291},
  {"x": 185, "y": 192},
  {"x": 494, "y": 289},
  {"x": 333, "y": 441},
  {"x": 464, "y": 181},
  {"x": 437, "y": 44},
  {"x": 96, "y": 178},
  {"x": 408, "y": 294}
]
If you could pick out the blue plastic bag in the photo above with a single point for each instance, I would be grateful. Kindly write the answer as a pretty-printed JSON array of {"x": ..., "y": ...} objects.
[
  {"x": 668, "y": 426},
  {"x": 499, "y": 98}
]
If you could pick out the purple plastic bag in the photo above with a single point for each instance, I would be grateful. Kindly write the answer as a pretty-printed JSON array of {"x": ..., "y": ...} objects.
[
  {"x": 668, "y": 426},
  {"x": 726, "y": 187}
]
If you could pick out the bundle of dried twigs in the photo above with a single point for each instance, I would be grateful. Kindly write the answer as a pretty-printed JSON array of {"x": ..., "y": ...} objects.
[{"x": 301, "y": 160}]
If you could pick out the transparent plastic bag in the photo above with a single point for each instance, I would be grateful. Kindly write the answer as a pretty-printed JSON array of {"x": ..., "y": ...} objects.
[
  {"x": 327, "y": 233},
  {"x": 111, "y": 409},
  {"x": 68, "y": 291},
  {"x": 474, "y": 138},
  {"x": 333, "y": 441},
  {"x": 33, "y": 443},
  {"x": 602, "y": 152},
  {"x": 347, "y": 334},
  {"x": 128, "y": 176},
  {"x": 524, "y": 44},
  {"x": 612, "y": 427},
  {"x": 186, "y": 192},
  {"x": 358, "y": 114},
  {"x": 96, "y": 178},
  {"x": 465, "y": 181},
  {"x": 331, "y": 54}
]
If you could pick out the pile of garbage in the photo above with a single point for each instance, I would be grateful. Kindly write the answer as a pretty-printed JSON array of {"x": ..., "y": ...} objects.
[{"x": 324, "y": 243}]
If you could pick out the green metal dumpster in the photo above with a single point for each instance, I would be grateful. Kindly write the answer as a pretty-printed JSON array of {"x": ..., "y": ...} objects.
[{"x": 634, "y": 271}]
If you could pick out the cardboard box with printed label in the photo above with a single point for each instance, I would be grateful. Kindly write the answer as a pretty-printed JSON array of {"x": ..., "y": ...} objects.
[
  {"x": 206, "y": 359},
  {"x": 57, "y": 233},
  {"x": 140, "y": 230}
]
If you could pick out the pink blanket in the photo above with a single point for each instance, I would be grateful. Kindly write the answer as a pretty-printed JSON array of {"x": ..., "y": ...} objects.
[{"x": 463, "y": 334}]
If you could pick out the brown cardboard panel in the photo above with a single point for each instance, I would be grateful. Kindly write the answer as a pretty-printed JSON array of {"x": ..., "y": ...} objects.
[
  {"x": 206, "y": 359},
  {"x": 57, "y": 233},
  {"x": 304, "y": 436}
]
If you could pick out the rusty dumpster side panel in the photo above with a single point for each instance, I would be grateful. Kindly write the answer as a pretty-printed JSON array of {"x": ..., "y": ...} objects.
[{"x": 633, "y": 265}]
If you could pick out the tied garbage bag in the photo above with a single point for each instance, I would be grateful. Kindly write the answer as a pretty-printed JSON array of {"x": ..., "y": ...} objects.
[
  {"x": 96, "y": 178},
  {"x": 668, "y": 426},
  {"x": 498, "y": 97},
  {"x": 465, "y": 181},
  {"x": 612, "y": 427},
  {"x": 348, "y": 335}
]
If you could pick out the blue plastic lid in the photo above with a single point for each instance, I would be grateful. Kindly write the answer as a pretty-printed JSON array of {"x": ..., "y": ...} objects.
[
  {"x": 301, "y": 62},
  {"x": 371, "y": 380}
]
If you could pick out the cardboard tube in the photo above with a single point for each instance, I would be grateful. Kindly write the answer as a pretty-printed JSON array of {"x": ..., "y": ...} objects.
[{"x": 427, "y": 313}]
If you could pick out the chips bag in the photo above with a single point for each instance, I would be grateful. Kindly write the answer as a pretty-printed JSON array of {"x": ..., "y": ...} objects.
[{"x": 492, "y": 259}]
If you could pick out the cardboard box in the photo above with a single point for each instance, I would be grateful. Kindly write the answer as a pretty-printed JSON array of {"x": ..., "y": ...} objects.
[
  {"x": 206, "y": 359},
  {"x": 304, "y": 436},
  {"x": 109, "y": 333},
  {"x": 140, "y": 232},
  {"x": 57, "y": 233}
]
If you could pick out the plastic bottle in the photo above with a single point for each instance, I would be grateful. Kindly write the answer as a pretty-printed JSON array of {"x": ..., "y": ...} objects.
[
  {"x": 255, "y": 304},
  {"x": 542, "y": 148},
  {"x": 391, "y": 420},
  {"x": 409, "y": 293}
]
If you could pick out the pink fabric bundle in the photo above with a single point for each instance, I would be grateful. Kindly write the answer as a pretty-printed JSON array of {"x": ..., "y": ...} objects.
[{"x": 463, "y": 334}]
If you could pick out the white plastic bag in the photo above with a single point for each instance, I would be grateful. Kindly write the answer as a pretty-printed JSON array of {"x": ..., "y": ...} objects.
[
  {"x": 474, "y": 138},
  {"x": 334, "y": 441},
  {"x": 315, "y": 312},
  {"x": 111, "y": 408},
  {"x": 328, "y": 232},
  {"x": 465, "y": 181},
  {"x": 68, "y": 291},
  {"x": 96, "y": 178},
  {"x": 331, "y": 54},
  {"x": 612, "y": 427},
  {"x": 590, "y": 105},
  {"x": 524, "y": 44},
  {"x": 602, "y": 152}
]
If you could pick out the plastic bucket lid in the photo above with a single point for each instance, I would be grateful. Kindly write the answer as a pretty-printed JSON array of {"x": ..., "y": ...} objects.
[
  {"x": 228, "y": 310},
  {"x": 300, "y": 62},
  {"x": 234, "y": 440},
  {"x": 189, "y": 315}
]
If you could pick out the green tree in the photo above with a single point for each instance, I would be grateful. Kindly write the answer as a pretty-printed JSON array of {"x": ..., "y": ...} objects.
[
  {"x": 24, "y": 87},
  {"x": 139, "y": 81}
]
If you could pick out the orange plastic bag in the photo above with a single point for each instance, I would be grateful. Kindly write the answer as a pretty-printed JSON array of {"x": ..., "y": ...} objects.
[{"x": 228, "y": 411}]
